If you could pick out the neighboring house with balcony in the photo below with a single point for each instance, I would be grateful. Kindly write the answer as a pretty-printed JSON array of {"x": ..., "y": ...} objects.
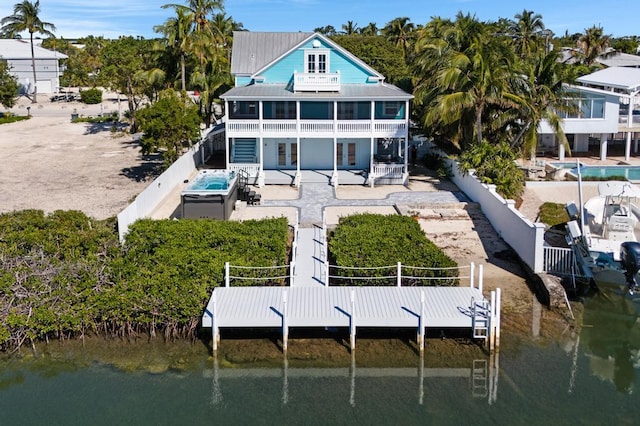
[
  {"x": 303, "y": 105},
  {"x": 17, "y": 53},
  {"x": 608, "y": 109}
]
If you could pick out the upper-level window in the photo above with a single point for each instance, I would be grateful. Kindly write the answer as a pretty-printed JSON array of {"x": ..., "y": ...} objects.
[
  {"x": 316, "y": 61},
  {"x": 585, "y": 107},
  {"x": 279, "y": 110},
  {"x": 390, "y": 110},
  {"x": 243, "y": 109}
]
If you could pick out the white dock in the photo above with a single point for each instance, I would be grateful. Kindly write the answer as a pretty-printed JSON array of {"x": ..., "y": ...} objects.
[{"x": 352, "y": 307}]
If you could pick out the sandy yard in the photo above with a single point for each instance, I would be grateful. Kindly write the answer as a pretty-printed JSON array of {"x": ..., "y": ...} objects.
[{"x": 49, "y": 163}]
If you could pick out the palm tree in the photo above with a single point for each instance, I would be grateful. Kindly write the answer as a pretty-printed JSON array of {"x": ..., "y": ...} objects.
[
  {"x": 25, "y": 18},
  {"x": 592, "y": 44},
  {"x": 201, "y": 35},
  {"x": 466, "y": 75},
  {"x": 176, "y": 31},
  {"x": 369, "y": 30},
  {"x": 543, "y": 96},
  {"x": 399, "y": 32},
  {"x": 328, "y": 30},
  {"x": 350, "y": 28},
  {"x": 526, "y": 31}
]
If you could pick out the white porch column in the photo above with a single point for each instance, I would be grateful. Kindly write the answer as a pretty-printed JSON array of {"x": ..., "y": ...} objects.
[
  {"x": 298, "y": 155},
  {"x": 227, "y": 143},
  {"x": 627, "y": 147},
  {"x": 334, "y": 177},
  {"x": 635, "y": 143},
  {"x": 603, "y": 146},
  {"x": 560, "y": 151},
  {"x": 261, "y": 176},
  {"x": 372, "y": 177}
]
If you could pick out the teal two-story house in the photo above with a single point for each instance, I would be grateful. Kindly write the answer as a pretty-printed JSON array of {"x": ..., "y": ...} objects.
[{"x": 303, "y": 105}]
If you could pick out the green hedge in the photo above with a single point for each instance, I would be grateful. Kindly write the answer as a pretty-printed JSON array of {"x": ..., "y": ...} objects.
[
  {"x": 371, "y": 240},
  {"x": 64, "y": 274}
]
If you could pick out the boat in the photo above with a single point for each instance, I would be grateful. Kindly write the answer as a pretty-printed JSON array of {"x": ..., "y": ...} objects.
[{"x": 606, "y": 237}]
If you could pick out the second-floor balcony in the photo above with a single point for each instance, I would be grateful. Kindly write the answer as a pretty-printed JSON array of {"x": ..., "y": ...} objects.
[
  {"x": 317, "y": 128},
  {"x": 316, "y": 82}
]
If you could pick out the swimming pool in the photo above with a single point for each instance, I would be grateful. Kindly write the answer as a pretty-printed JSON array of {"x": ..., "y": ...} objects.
[{"x": 631, "y": 173}]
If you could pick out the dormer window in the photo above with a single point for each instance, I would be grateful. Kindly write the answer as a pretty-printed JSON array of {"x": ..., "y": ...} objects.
[{"x": 316, "y": 61}]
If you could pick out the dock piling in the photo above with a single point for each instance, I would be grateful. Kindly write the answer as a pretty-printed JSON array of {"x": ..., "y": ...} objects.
[
  {"x": 285, "y": 326},
  {"x": 352, "y": 323}
]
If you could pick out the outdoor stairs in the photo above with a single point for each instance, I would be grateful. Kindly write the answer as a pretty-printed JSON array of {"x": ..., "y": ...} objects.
[
  {"x": 310, "y": 257},
  {"x": 245, "y": 193},
  {"x": 244, "y": 151}
]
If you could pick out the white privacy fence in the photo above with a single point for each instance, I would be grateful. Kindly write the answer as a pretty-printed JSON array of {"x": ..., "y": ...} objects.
[{"x": 525, "y": 237}]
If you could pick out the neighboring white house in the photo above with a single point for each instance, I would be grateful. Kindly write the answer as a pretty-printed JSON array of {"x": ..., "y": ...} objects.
[
  {"x": 303, "y": 103},
  {"x": 608, "y": 108},
  {"x": 17, "y": 53}
]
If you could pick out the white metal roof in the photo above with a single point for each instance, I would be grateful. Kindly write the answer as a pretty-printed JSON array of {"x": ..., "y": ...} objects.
[
  {"x": 624, "y": 78},
  {"x": 252, "y": 51},
  {"x": 255, "y": 51},
  {"x": 620, "y": 59},
  {"x": 331, "y": 306},
  {"x": 347, "y": 91},
  {"x": 21, "y": 49}
]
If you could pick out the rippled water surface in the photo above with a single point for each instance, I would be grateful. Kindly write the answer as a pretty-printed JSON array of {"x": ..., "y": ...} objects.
[{"x": 590, "y": 378}]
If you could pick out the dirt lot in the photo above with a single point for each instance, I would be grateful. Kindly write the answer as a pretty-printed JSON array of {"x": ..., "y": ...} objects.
[{"x": 49, "y": 163}]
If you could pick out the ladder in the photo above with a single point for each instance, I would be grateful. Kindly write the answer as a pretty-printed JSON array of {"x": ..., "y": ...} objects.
[{"x": 480, "y": 312}]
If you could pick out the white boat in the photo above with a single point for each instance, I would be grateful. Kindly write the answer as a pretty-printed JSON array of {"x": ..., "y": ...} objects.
[
  {"x": 612, "y": 218},
  {"x": 607, "y": 244}
]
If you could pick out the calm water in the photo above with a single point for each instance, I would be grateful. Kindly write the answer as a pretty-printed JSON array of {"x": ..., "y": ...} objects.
[{"x": 591, "y": 378}]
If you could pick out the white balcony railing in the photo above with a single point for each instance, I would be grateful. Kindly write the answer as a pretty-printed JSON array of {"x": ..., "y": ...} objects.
[
  {"x": 353, "y": 128},
  {"x": 252, "y": 169},
  {"x": 389, "y": 171},
  {"x": 316, "y": 82}
]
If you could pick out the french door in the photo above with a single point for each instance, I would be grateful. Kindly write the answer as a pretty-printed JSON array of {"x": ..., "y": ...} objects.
[{"x": 287, "y": 155}]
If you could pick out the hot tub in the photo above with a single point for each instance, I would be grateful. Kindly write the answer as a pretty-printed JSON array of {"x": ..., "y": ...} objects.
[{"x": 212, "y": 194}]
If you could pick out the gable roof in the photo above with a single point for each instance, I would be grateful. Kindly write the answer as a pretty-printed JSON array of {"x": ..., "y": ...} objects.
[
  {"x": 21, "y": 49},
  {"x": 253, "y": 51},
  {"x": 257, "y": 51},
  {"x": 624, "y": 78}
]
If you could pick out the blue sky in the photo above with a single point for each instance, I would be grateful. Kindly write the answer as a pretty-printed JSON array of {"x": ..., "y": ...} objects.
[{"x": 111, "y": 18}]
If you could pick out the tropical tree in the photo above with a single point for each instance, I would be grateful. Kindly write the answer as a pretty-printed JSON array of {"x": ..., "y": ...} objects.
[
  {"x": 9, "y": 88},
  {"x": 525, "y": 31},
  {"x": 370, "y": 30},
  {"x": 399, "y": 31},
  {"x": 123, "y": 62},
  {"x": 350, "y": 28},
  {"x": 464, "y": 75},
  {"x": 544, "y": 97},
  {"x": 169, "y": 125},
  {"x": 592, "y": 44},
  {"x": 176, "y": 31},
  {"x": 201, "y": 37},
  {"x": 26, "y": 18},
  {"x": 327, "y": 30}
]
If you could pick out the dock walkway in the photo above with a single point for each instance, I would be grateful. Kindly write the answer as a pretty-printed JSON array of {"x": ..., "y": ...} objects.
[{"x": 311, "y": 302}]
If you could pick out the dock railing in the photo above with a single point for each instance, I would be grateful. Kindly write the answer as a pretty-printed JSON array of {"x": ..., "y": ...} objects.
[{"x": 403, "y": 275}]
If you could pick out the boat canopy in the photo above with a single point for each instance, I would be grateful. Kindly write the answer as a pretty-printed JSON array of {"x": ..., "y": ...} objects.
[{"x": 618, "y": 189}]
